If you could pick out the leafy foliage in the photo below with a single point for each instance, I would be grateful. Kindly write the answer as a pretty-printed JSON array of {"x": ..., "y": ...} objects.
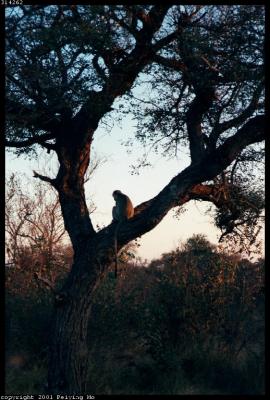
[
  {"x": 191, "y": 322},
  {"x": 193, "y": 317},
  {"x": 224, "y": 49}
]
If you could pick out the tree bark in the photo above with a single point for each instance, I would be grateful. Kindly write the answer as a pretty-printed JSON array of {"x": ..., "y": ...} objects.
[{"x": 69, "y": 355}]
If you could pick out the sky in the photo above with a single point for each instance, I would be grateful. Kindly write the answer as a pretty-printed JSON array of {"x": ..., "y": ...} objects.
[{"x": 115, "y": 173}]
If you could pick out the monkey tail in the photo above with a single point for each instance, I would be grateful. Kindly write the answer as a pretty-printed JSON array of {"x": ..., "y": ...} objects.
[
  {"x": 115, "y": 257},
  {"x": 115, "y": 250}
]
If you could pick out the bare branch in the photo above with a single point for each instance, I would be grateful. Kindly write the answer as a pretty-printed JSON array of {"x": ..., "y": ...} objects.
[
  {"x": 45, "y": 281},
  {"x": 241, "y": 118},
  {"x": 45, "y": 178}
]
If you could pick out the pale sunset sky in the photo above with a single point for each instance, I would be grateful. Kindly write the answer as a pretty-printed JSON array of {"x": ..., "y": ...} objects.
[{"x": 115, "y": 173}]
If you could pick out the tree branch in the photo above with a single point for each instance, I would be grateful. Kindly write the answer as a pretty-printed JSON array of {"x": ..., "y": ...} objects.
[
  {"x": 215, "y": 194},
  {"x": 45, "y": 178},
  {"x": 123, "y": 74},
  {"x": 130, "y": 28},
  {"x": 153, "y": 20},
  {"x": 48, "y": 146},
  {"x": 187, "y": 184},
  {"x": 211, "y": 193},
  {"x": 29, "y": 142},
  {"x": 198, "y": 107},
  {"x": 241, "y": 118},
  {"x": 166, "y": 40},
  {"x": 170, "y": 63},
  {"x": 41, "y": 121}
]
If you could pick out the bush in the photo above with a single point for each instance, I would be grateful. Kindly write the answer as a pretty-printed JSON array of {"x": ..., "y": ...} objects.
[
  {"x": 190, "y": 318},
  {"x": 190, "y": 323}
]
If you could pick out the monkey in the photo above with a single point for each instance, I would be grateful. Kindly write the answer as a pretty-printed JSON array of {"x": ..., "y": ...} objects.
[
  {"x": 122, "y": 211},
  {"x": 123, "y": 208}
]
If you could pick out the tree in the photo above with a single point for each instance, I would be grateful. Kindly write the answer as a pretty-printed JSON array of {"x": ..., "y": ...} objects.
[
  {"x": 31, "y": 221},
  {"x": 33, "y": 218},
  {"x": 65, "y": 67}
]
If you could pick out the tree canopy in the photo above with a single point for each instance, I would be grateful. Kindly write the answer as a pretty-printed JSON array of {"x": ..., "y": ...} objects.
[
  {"x": 194, "y": 78},
  {"x": 200, "y": 70}
]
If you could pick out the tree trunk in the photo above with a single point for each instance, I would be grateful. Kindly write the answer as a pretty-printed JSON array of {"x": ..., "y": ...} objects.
[
  {"x": 94, "y": 251},
  {"x": 68, "y": 364}
]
